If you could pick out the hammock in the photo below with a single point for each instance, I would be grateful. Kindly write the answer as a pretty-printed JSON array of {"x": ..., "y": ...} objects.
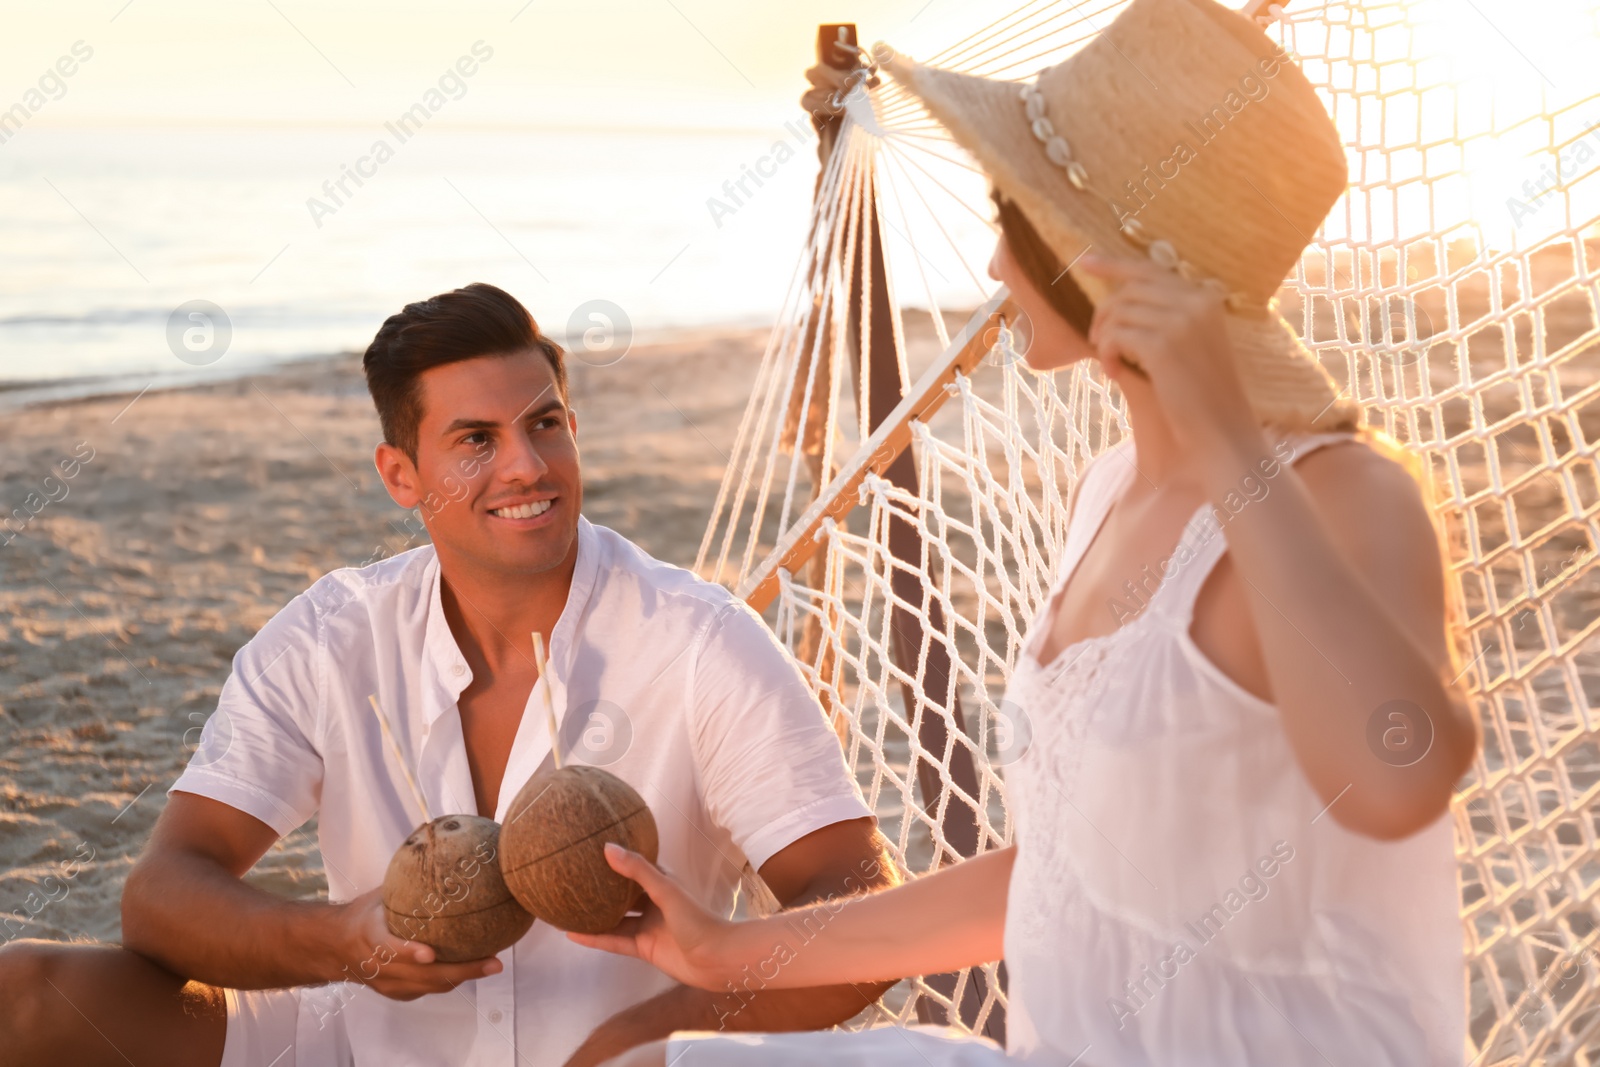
[{"x": 900, "y": 540}]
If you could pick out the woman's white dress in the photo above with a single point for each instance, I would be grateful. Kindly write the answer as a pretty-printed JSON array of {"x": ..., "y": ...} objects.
[{"x": 1181, "y": 895}]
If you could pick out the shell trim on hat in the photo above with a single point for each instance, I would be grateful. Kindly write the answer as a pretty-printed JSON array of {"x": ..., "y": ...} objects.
[
  {"x": 1161, "y": 251},
  {"x": 1286, "y": 384}
]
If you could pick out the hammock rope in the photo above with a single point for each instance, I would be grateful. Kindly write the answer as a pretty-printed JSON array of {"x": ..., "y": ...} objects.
[{"x": 901, "y": 560}]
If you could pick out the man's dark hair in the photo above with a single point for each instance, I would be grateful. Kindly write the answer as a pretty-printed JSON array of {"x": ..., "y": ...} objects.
[
  {"x": 479, "y": 320},
  {"x": 1042, "y": 266}
]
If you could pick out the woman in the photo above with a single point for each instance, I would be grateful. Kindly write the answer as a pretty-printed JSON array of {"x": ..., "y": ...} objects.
[{"x": 1230, "y": 843}]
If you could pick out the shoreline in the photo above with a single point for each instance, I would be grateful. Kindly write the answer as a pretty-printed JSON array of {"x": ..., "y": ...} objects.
[{"x": 17, "y": 394}]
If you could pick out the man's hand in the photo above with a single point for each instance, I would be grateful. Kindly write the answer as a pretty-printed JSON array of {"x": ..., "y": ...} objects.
[
  {"x": 390, "y": 965},
  {"x": 186, "y": 907}
]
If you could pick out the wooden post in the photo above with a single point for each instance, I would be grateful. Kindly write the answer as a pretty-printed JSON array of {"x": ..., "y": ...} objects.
[{"x": 880, "y": 389}]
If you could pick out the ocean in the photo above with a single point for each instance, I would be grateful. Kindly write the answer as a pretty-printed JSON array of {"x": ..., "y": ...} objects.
[{"x": 139, "y": 254}]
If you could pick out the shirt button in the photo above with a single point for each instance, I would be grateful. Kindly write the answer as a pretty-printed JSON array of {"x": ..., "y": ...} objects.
[
  {"x": 458, "y": 670},
  {"x": 494, "y": 1016}
]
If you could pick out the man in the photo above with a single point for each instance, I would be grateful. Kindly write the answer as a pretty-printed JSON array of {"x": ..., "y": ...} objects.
[{"x": 665, "y": 680}]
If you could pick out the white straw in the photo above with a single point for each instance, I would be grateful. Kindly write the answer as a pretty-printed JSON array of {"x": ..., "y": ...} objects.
[
  {"x": 543, "y": 664},
  {"x": 394, "y": 746}
]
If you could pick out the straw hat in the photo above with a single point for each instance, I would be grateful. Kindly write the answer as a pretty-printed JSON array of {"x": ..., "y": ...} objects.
[{"x": 1181, "y": 133}]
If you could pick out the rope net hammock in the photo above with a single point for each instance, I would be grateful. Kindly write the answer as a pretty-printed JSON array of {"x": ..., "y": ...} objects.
[{"x": 897, "y": 498}]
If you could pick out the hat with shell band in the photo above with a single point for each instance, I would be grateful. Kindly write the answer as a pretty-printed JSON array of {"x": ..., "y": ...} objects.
[{"x": 1182, "y": 134}]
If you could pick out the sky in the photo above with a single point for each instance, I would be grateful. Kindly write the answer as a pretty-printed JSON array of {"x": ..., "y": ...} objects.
[
  {"x": 616, "y": 63},
  {"x": 172, "y": 150}
]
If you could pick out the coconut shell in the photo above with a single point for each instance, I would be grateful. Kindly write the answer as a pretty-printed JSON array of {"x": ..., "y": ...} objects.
[
  {"x": 444, "y": 889},
  {"x": 553, "y": 847}
]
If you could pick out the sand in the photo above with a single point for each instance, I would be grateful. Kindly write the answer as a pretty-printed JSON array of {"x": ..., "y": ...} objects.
[{"x": 173, "y": 527}]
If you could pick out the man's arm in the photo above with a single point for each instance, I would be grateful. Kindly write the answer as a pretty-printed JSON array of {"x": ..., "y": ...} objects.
[
  {"x": 186, "y": 907},
  {"x": 845, "y": 859}
]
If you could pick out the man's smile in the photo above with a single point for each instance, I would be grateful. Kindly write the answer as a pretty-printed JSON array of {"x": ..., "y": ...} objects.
[{"x": 523, "y": 511}]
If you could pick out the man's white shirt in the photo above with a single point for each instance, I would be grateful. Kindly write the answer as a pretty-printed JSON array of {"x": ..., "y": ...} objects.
[{"x": 665, "y": 680}]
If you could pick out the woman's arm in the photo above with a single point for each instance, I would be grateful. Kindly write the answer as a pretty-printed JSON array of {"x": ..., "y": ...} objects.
[
  {"x": 1340, "y": 564},
  {"x": 943, "y": 921},
  {"x": 1341, "y": 568}
]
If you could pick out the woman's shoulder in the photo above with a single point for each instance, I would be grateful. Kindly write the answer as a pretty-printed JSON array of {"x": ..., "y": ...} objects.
[
  {"x": 1372, "y": 498},
  {"x": 1373, "y": 501},
  {"x": 1363, "y": 470}
]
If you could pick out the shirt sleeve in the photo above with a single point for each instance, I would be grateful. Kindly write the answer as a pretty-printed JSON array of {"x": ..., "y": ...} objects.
[
  {"x": 257, "y": 751},
  {"x": 770, "y": 763}
]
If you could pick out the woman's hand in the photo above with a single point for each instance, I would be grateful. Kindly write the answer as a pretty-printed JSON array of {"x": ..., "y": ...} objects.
[
  {"x": 675, "y": 934},
  {"x": 1174, "y": 333}
]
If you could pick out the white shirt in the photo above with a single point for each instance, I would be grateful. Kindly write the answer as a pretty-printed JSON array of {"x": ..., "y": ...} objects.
[{"x": 667, "y": 681}]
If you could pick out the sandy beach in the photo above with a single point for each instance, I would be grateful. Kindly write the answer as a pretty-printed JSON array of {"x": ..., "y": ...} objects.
[{"x": 171, "y": 525}]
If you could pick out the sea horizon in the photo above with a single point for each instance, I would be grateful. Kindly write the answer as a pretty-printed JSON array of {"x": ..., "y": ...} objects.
[{"x": 117, "y": 232}]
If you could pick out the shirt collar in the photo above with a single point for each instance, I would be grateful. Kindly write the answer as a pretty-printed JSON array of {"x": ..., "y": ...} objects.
[{"x": 443, "y": 654}]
